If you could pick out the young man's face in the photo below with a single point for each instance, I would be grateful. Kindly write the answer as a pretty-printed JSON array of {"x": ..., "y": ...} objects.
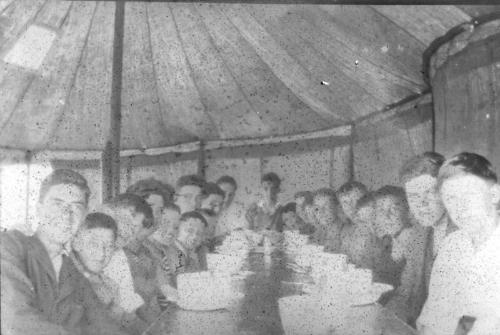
[
  {"x": 129, "y": 226},
  {"x": 300, "y": 207},
  {"x": 61, "y": 212},
  {"x": 213, "y": 202},
  {"x": 191, "y": 233},
  {"x": 229, "y": 191},
  {"x": 469, "y": 201},
  {"x": 211, "y": 226},
  {"x": 310, "y": 214},
  {"x": 348, "y": 202},
  {"x": 423, "y": 199},
  {"x": 95, "y": 247},
  {"x": 169, "y": 224},
  {"x": 267, "y": 191},
  {"x": 290, "y": 220},
  {"x": 323, "y": 210},
  {"x": 400, "y": 244},
  {"x": 188, "y": 198},
  {"x": 156, "y": 203},
  {"x": 365, "y": 217},
  {"x": 389, "y": 217}
]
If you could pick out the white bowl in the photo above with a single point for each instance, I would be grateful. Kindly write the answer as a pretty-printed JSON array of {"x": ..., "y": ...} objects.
[
  {"x": 231, "y": 263},
  {"x": 309, "y": 314},
  {"x": 205, "y": 291},
  {"x": 227, "y": 302}
]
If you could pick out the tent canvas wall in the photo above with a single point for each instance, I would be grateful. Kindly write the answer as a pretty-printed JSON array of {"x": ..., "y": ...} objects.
[{"x": 231, "y": 76}]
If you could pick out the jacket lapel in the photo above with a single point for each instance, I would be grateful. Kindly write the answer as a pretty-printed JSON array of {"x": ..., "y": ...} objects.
[
  {"x": 37, "y": 253},
  {"x": 68, "y": 278}
]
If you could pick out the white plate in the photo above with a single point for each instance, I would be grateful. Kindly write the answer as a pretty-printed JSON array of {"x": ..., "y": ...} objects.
[
  {"x": 370, "y": 297},
  {"x": 212, "y": 305}
]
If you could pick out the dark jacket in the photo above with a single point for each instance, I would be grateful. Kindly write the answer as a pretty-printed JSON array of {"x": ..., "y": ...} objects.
[
  {"x": 34, "y": 302},
  {"x": 177, "y": 262},
  {"x": 144, "y": 260}
]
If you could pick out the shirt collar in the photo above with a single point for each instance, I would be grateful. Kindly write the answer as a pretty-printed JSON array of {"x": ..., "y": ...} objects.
[
  {"x": 181, "y": 247},
  {"x": 81, "y": 267}
]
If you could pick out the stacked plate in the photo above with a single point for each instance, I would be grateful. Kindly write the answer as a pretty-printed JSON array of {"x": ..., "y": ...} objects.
[
  {"x": 326, "y": 265},
  {"x": 235, "y": 244},
  {"x": 307, "y": 253},
  {"x": 352, "y": 287},
  {"x": 326, "y": 304},
  {"x": 294, "y": 241},
  {"x": 309, "y": 314},
  {"x": 225, "y": 263},
  {"x": 206, "y": 291}
]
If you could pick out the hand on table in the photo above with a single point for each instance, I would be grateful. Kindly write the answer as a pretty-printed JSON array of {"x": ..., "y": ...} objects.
[{"x": 169, "y": 294}]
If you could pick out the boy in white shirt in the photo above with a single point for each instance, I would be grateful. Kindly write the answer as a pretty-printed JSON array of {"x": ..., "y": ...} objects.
[{"x": 465, "y": 279}]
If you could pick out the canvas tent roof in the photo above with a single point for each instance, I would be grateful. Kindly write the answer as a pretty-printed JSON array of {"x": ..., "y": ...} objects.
[{"x": 196, "y": 71}]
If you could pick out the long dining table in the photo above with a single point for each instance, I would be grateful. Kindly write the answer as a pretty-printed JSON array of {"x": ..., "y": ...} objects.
[{"x": 268, "y": 279}]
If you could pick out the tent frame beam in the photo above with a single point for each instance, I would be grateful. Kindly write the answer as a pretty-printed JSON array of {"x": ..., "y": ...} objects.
[{"x": 341, "y": 132}]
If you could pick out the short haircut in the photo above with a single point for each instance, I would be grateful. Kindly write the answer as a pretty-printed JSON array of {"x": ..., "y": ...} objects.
[
  {"x": 100, "y": 220},
  {"x": 289, "y": 207},
  {"x": 212, "y": 188},
  {"x": 334, "y": 203},
  {"x": 467, "y": 163},
  {"x": 134, "y": 203},
  {"x": 190, "y": 180},
  {"x": 328, "y": 193},
  {"x": 193, "y": 215},
  {"x": 427, "y": 163},
  {"x": 351, "y": 186},
  {"x": 66, "y": 177},
  {"x": 366, "y": 200},
  {"x": 397, "y": 194},
  {"x": 146, "y": 187},
  {"x": 227, "y": 180},
  {"x": 207, "y": 211},
  {"x": 307, "y": 195},
  {"x": 272, "y": 178},
  {"x": 172, "y": 206},
  {"x": 390, "y": 191}
]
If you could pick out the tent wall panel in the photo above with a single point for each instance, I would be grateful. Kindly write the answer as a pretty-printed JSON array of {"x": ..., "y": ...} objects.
[
  {"x": 302, "y": 171},
  {"x": 246, "y": 172},
  {"x": 166, "y": 168},
  {"x": 384, "y": 144},
  {"x": 466, "y": 90},
  {"x": 340, "y": 165},
  {"x": 302, "y": 165}
]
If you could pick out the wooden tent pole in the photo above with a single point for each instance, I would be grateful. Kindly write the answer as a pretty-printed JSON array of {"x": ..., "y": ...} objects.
[
  {"x": 111, "y": 154},
  {"x": 351, "y": 153},
  {"x": 201, "y": 159}
]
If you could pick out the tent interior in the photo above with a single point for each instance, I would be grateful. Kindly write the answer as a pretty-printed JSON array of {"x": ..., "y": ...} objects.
[{"x": 319, "y": 94}]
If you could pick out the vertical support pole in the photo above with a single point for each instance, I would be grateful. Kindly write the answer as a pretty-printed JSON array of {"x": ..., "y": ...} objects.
[
  {"x": 111, "y": 154},
  {"x": 351, "y": 152},
  {"x": 201, "y": 160}
]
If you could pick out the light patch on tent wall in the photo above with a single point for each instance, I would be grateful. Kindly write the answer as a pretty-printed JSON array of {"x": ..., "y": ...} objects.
[
  {"x": 31, "y": 48},
  {"x": 20, "y": 186}
]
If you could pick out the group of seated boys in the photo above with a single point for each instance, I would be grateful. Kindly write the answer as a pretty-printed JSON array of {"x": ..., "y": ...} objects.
[{"x": 436, "y": 239}]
